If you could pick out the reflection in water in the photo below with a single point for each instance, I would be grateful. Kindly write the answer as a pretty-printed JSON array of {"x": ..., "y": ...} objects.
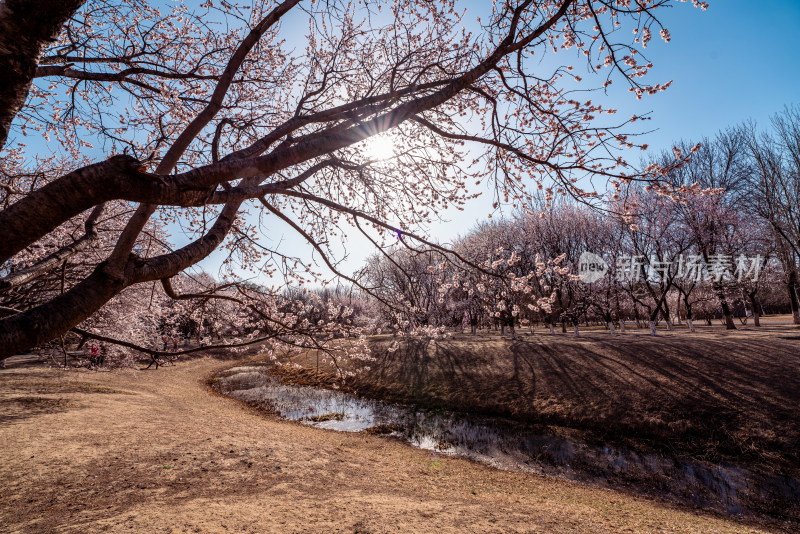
[
  {"x": 512, "y": 445},
  {"x": 441, "y": 431}
]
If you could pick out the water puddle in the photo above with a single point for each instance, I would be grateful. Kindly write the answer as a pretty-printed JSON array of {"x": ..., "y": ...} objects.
[{"x": 513, "y": 445}]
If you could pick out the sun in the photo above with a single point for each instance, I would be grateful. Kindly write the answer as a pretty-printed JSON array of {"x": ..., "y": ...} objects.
[{"x": 379, "y": 147}]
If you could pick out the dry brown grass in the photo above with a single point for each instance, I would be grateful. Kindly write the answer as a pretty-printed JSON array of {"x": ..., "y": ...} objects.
[
  {"x": 134, "y": 451},
  {"x": 718, "y": 394},
  {"x": 714, "y": 396}
]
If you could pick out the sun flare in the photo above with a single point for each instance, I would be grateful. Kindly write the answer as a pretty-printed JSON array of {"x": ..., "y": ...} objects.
[{"x": 379, "y": 147}]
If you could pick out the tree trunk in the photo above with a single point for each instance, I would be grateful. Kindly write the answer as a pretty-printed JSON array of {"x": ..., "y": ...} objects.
[
  {"x": 791, "y": 286},
  {"x": 611, "y": 327},
  {"x": 622, "y": 325},
  {"x": 755, "y": 305},
  {"x": 552, "y": 330},
  {"x": 577, "y": 333},
  {"x": 26, "y": 28},
  {"x": 689, "y": 316},
  {"x": 653, "y": 329},
  {"x": 665, "y": 315},
  {"x": 726, "y": 312},
  {"x": 723, "y": 302}
]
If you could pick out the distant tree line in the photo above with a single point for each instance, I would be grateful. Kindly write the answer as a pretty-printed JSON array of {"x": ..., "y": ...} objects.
[{"x": 717, "y": 237}]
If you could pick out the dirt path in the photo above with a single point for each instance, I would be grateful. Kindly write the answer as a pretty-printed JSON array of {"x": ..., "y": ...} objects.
[{"x": 159, "y": 452}]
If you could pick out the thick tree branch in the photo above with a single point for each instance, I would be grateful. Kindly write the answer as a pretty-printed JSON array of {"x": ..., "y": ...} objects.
[
  {"x": 157, "y": 353},
  {"x": 125, "y": 75},
  {"x": 41, "y": 211},
  {"x": 202, "y": 178},
  {"x": 38, "y": 325},
  {"x": 44, "y": 322},
  {"x": 117, "y": 259},
  {"x": 168, "y": 265}
]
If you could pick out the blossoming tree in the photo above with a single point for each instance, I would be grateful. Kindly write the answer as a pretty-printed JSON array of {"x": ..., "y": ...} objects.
[{"x": 164, "y": 113}]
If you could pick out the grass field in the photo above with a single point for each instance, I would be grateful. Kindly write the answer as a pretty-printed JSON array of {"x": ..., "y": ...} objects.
[{"x": 718, "y": 396}]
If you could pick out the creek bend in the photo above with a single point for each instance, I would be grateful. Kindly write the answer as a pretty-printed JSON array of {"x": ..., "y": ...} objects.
[{"x": 513, "y": 445}]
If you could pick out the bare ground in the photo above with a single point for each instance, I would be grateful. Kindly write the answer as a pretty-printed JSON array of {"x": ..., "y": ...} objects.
[{"x": 135, "y": 451}]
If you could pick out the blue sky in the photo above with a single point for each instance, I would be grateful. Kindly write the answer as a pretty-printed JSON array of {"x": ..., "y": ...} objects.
[{"x": 734, "y": 62}]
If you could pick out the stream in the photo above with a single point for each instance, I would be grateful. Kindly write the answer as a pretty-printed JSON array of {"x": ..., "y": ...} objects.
[{"x": 512, "y": 445}]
